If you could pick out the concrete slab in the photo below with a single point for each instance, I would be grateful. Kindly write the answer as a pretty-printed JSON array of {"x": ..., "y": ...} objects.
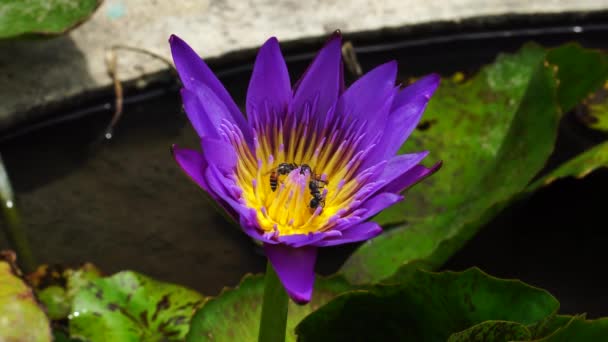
[{"x": 36, "y": 73}]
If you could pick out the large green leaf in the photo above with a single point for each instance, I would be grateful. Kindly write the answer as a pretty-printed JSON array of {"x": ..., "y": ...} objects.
[
  {"x": 579, "y": 166},
  {"x": 494, "y": 133},
  {"x": 427, "y": 307},
  {"x": 235, "y": 314},
  {"x": 493, "y": 331},
  {"x": 579, "y": 329},
  {"x": 21, "y": 318},
  {"x": 595, "y": 109},
  {"x": 132, "y": 307},
  {"x": 20, "y": 17},
  {"x": 580, "y": 71}
]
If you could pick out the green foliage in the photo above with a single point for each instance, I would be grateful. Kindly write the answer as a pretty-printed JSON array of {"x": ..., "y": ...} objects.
[
  {"x": 235, "y": 314},
  {"x": 496, "y": 331},
  {"x": 55, "y": 288},
  {"x": 131, "y": 307},
  {"x": 579, "y": 329},
  {"x": 595, "y": 109},
  {"x": 580, "y": 71},
  {"x": 45, "y": 17},
  {"x": 579, "y": 166},
  {"x": 494, "y": 133},
  {"x": 431, "y": 307},
  {"x": 55, "y": 301},
  {"x": 21, "y": 318}
]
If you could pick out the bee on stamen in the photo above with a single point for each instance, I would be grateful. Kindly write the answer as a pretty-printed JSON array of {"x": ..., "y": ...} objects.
[
  {"x": 304, "y": 168},
  {"x": 281, "y": 170},
  {"x": 318, "y": 200}
]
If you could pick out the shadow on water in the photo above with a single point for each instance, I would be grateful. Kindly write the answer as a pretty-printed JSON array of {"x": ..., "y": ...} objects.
[{"x": 124, "y": 203}]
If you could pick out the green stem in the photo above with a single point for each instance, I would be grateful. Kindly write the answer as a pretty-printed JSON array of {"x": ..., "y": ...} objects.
[
  {"x": 274, "y": 308},
  {"x": 12, "y": 224},
  {"x": 17, "y": 238}
]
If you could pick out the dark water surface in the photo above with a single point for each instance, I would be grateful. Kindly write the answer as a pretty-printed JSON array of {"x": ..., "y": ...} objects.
[{"x": 125, "y": 204}]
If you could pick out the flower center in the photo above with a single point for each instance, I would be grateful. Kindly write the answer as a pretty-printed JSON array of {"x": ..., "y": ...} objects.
[{"x": 299, "y": 181}]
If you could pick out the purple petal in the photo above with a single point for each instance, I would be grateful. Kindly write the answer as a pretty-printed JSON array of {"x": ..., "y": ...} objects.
[
  {"x": 378, "y": 203},
  {"x": 219, "y": 153},
  {"x": 269, "y": 88},
  {"x": 322, "y": 81},
  {"x": 422, "y": 88},
  {"x": 394, "y": 168},
  {"x": 400, "y": 164},
  {"x": 295, "y": 268},
  {"x": 407, "y": 109},
  {"x": 192, "y": 69},
  {"x": 227, "y": 193},
  {"x": 356, "y": 233},
  {"x": 205, "y": 110},
  {"x": 251, "y": 228},
  {"x": 369, "y": 99},
  {"x": 193, "y": 164},
  {"x": 299, "y": 240},
  {"x": 411, "y": 177}
]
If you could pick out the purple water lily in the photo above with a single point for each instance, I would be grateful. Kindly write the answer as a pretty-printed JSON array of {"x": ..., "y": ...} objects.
[{"x": 308, "y": 166}]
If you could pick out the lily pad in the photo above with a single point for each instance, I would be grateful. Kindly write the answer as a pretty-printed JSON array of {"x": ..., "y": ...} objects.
[
  {"x": 21, "y": 318},
  {"x": 493, "y": 331},
  {"x": 132, "y": 307},
  {"x": 580, "y": 72},
  {"x": 579, "y": 329},
  {"x": 45, "y": 17},
  {"x": 56, "y": 286},
  {"x": 427, "y": 307},
  {"x": 235, "y": 314},
  {"x": 578, "y": 167},
  {"x": 595, "y": 109},
  {"x": 494, "y": 132}
]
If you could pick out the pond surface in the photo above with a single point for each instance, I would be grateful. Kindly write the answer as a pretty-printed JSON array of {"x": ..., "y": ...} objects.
[{"x": 124, "y": 204}]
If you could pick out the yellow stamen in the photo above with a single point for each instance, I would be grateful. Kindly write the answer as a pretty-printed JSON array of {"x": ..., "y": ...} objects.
[{"x": 288, "y": 209}]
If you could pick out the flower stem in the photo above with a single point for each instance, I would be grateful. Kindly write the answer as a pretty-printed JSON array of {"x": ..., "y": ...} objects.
[
  {"x": 274, "y": 308},
  {"x": 12, "y": 225}
]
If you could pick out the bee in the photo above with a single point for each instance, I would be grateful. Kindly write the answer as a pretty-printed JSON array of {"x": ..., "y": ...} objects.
[
  {"x": 286, "y": 168},
  {"x": 282, "y": 169},
  {"x": 317, "y": 201},
  {"x": 315, "y": 185},
  {"x": 304, "y": 168}
]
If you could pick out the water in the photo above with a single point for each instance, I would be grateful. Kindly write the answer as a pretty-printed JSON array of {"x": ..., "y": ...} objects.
[{"x": 123, "y": 203}]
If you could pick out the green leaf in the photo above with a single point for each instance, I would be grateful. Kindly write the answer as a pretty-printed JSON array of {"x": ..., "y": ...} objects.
[
  {"x": 578, "y": 167},
  {"x": 580, "y": 72},
  {"x": 60, "y": 336},
  {"x": 80, "y": 277},
  {"x": 235, "y": 314},
  {"x": 494, "y": 133},
  {"x": 579, "y": 329},
  {"x": 21, "y": 318},
  {"x": 426, "y": 307},
  {"x": 132, "y": 307},
  {"x": 597, "y": 109},
  {"x": 493, "y": 331},
  {"x": 47, "y": 17},
  {"x": 55, "y": 301},
  {"x": 552, "y": 324},
  {"x": 55, "y": 287}
]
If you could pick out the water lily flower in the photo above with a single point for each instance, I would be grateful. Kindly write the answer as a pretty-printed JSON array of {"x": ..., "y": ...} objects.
[{"x": 308, "y": 165}]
